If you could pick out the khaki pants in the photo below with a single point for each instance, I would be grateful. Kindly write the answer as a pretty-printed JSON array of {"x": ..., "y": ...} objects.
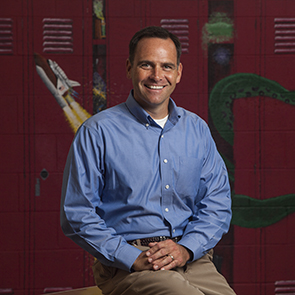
[{"x": 196, "y": 278}]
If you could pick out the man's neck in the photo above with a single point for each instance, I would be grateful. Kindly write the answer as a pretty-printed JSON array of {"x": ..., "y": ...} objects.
[{"x": 156, "y": 111}]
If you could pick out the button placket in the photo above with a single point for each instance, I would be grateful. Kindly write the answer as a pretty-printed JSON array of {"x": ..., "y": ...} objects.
[{"x": 165, "y": 175}]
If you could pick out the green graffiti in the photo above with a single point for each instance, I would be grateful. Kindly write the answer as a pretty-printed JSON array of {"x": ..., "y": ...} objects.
[
  {"x": 98, "y": 9},
  {"x": 247, "y": 211},
  {"x": 219, "y": 29},
  {"x": 253, "y": 213},
  {"x": 238, "y": 86}
]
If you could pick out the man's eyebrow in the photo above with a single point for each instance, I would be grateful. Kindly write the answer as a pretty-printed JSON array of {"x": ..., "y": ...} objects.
[
  {"x": 145, "y": 62},
  {"x": 171, "y": 64}
]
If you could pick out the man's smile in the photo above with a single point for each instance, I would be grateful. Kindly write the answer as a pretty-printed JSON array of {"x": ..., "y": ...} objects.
[{"x": 155, "y": 87}]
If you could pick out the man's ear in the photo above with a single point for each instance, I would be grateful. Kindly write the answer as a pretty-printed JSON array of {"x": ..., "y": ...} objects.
[
  {"x": 179, "y": 72},
  {"x": 128, "y": 68}
]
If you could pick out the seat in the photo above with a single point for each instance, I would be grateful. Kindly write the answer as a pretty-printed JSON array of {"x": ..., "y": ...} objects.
[{"x": 82, "y": 291}]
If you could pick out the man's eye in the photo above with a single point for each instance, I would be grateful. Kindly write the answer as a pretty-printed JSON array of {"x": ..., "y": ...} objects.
[
  {"x": 167, "y": 67},
  {"x": 145, "y": 65}
]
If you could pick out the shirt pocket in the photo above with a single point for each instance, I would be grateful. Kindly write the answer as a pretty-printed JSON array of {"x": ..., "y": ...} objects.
[{"x": 187, "y": 177}]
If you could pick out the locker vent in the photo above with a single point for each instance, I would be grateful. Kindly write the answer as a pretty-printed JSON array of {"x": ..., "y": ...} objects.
[
  {"x": 284, "y": 287},
  {"x": 284, "y": 35},
  {"x": 6, "y": 36},
  {"x": 57, "y": 35},
  {"x": 179, "y": 27}
]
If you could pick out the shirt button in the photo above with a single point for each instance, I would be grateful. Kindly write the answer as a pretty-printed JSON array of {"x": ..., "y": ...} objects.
[
  {"x": 167, "y": 186},
  {"x": 162, "y": 136},
  {"x": 165, "y": 161},
  {"x": 173, "y": 231},
  {"x": 147, "y": 125},
  {"x": 166, "y": 209}
]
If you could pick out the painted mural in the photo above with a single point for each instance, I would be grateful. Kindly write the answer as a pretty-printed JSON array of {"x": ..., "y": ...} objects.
[
  {"x": 247, "y": 211},
  {"x": 62, "y": 90},
  {"x": 219, "y": 29}
]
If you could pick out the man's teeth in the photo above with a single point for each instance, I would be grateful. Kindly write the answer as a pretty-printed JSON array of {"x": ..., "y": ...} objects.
[{"x": 155, "y": 87}]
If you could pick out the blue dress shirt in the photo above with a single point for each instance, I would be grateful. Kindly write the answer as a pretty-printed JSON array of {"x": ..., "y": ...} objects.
[{"x": 127, "y": 178}]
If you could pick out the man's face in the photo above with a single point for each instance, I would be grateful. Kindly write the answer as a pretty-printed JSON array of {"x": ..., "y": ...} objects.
[{"x": 154, "y": 74}]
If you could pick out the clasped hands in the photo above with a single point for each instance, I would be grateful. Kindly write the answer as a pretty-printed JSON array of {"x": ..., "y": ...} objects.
[{"x": 163, "y": 255}]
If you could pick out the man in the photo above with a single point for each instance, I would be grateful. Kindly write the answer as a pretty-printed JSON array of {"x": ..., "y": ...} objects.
[{"x": 145, "y": 190}]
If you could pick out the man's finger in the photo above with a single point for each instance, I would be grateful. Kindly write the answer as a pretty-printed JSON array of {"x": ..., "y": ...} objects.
[
  {"x": 160, "y": 249},
  {"x": 161, "y": 263}
]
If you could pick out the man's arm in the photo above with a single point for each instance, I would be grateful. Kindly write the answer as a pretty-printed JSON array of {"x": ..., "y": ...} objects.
[
  {"x": 82, "y": 186},
  {"x": 211, "y": 218},
  {"x": 212, "y": 214}
]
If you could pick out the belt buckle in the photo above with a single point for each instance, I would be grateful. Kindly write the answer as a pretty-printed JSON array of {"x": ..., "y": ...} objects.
[{"x": 135, "y": 243}]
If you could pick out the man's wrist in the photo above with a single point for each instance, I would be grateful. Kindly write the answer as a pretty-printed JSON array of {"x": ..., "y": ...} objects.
[{"x": 191, "y": 254}]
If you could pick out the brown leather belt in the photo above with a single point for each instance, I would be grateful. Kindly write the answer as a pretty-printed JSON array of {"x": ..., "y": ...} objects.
[{"x": 146, "y": 241}]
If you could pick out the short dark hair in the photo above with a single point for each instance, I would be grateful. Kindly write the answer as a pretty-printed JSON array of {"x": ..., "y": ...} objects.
[{"x": 153, "y": 32}]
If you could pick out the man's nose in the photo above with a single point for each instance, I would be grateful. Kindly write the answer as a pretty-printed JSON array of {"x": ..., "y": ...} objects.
[{"x": 157, "y": 74}]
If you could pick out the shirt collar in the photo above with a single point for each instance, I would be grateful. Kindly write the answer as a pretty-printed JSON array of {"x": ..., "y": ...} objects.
[{"x": 138, "y": 112}]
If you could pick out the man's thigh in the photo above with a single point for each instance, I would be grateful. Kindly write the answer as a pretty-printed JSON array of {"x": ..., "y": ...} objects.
[
  {"x": 197, "y": 278},
  {"x": 203, "y": 275},
  {"x": 162, "y": 282}
]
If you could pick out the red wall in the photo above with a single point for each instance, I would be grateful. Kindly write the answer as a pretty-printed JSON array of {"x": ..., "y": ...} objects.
[{"x": 35, "y": 135}]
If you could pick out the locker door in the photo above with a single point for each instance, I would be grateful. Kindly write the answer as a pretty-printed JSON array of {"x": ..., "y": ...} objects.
[
  {"x": 14, "y": 168},
  {"x": 246, "y": 110},
  {"x": 278, "y": 139},
  {"x": 62, "y": 33}
]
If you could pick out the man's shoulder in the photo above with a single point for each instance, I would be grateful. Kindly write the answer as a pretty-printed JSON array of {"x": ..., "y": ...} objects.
[
  {"x": 114, "y": 113},
  {"x": 190, "y": 116}
]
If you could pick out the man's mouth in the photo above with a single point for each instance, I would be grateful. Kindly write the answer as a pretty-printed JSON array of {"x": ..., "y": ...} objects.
[{"x": 154, "y": 87}]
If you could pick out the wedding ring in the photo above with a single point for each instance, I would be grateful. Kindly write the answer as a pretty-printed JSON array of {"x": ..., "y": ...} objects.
[{"x": 171, "y": 257}]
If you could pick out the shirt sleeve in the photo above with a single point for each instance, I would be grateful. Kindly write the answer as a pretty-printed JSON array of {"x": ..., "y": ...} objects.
[
  {"x": 83, "y": 182},
  {"x": 212, "y": 214}
]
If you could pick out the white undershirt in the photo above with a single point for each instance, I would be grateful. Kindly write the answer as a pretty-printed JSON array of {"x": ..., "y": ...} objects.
[{"x": 162, "y": 122}]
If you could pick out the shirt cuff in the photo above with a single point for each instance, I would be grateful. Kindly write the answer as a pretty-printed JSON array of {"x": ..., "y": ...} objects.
[
  {"x": 126, "y": 257},
  {"x": 196, "y": 250}
]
